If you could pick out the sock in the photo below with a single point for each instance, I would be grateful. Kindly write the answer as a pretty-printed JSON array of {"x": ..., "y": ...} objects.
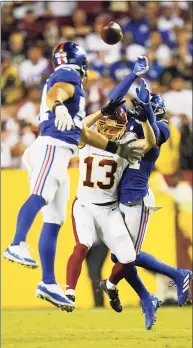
[
  {"x": 123, "y": 87},
  {"x": 119, "y": 272},
  {"x": 150, "y": 263},
  {"x": 47, "y": 251},
  {"x": 26, "y": 217},
  {"x": 134, "y": 280},
  {"x": 74, "y": 265},
  {"x": 110, "y": 285},
  {"x": 70, "y": 292}
]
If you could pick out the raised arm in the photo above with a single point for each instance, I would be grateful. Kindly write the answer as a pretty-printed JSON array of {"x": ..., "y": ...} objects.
[
  {"x": 143, "y": 95},
  {"x": 140, "y": 68}
]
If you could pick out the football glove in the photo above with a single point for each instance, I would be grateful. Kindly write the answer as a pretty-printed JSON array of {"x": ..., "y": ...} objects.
[
  {"x": 130, "y": 152},
  {"x": 143, "y": 93},
  {"x": 63, "y": 120},
  {"x": 139, "y": 111},
  {"x": 141, "y": 66},
  {"x": 111, "y": 107}
]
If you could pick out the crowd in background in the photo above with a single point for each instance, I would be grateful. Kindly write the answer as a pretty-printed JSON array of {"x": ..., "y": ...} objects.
[{"x": 160, "y": 30}]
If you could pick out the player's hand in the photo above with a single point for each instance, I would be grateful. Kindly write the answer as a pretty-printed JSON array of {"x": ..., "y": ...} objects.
[
  {"x": 111, "y": 107},
  {"x": 139, "y": 111},
  {"x": 130, "y": 152},
  {"x": 141, "y": 66},
  {"x": 143, "y": 93},
  {"x": 63, "y": 120}
]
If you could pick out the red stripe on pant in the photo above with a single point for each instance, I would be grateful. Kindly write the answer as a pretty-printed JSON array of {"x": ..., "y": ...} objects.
[
  {"x": 74, "y": 223},
  {"x": 45, "y": 167},
  {"x": 141, "y": 232}
]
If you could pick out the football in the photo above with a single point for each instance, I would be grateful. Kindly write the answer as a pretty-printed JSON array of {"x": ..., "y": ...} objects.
[{"x": 111, "y": 33}]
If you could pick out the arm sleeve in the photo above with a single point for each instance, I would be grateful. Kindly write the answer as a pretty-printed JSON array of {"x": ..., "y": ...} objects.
[
  {"x": 123, "y": 87},
  {"x": 152, "y": 120},
  {"x": 164, "y": 132}
]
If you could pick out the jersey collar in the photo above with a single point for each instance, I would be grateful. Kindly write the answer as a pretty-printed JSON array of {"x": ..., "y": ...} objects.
[{"x": 72, "y": 66}]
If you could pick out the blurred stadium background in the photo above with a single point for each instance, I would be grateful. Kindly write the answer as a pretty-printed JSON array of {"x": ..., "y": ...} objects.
[{"x": 160, "y": 30}]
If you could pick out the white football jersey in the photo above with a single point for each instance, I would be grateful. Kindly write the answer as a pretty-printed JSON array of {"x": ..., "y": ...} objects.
[{"x": 99, "y": 175}]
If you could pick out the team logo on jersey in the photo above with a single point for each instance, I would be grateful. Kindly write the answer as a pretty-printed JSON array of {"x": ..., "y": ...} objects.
[{"x": 131, "y": 128}]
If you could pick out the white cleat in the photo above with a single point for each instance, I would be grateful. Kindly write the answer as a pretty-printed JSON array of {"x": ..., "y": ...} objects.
[
  {"x": 20, "y": 254},
  {"x": 55, "y": 295}
]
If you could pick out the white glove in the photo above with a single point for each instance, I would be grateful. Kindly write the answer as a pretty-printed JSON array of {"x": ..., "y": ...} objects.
[{"x": 63, "y": 120}]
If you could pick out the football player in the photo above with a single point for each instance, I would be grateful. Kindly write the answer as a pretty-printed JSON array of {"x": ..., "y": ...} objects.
[
  {"x": 96, "y": 211},
  {"x": 136, "y": 199},
  {"x": 62, "y": 111}
]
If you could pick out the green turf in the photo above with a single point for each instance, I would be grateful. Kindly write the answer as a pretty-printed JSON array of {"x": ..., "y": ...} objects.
[{"x": 100, "y": 328}]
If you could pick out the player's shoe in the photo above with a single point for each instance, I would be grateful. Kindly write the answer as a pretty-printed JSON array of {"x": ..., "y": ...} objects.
[
  {"x": 183, "y": 285},
  {"x": 55, "y": 295},
  {"x": 71, "y": 298},
  {"x": 149, "y": 308},
  {"x": 20, "y": 254},
  {"x": 113, "y": 296}
]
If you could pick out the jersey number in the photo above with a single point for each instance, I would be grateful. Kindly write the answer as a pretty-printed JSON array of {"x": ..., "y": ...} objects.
[{"x": 109, "y": 174}]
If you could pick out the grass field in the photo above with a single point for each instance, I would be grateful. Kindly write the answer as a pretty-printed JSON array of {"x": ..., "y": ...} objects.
[{"x": 98, "y": 328}]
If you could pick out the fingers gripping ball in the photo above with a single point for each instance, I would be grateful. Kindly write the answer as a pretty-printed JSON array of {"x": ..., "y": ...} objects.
[{"x": 111, "y": 33}]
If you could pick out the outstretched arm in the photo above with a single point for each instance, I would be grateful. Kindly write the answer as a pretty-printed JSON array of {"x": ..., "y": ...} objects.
[
  {"x": 140, "y": 68},
  {"x": 129, "y": 151},
  {"x": 144, "y": 96}
]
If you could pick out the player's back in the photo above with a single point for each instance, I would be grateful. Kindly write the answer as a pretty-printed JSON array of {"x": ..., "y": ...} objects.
[
  {"x": 99, "y": 175},
  {"x": 134, "y": 183},
  {"x": 75, "y": 106}
]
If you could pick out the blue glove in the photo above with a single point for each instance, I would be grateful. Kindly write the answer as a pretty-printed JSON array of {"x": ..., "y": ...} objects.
[
  {"x": 141, "y": 66},
  {"x": 143, "y": 93}
]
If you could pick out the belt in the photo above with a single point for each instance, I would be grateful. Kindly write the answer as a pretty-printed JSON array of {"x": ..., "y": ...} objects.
[
  {"x": 105, "y": 204},
  {"x": 131, "y": 204}
]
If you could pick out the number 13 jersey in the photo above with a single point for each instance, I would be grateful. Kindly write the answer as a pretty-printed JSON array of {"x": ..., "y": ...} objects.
[{"x": 99, "y": 175}]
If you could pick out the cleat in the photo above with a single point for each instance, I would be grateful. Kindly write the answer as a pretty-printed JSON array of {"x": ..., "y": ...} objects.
[
  {"x": 71, "y": 298},
  {"x": 149, "y": 308},
  {"x": 113, "y": 296},
  {"x": 20, "y": 254},
  {"x": 55, "y": 295},
  {"x": 183, "y": 285}
]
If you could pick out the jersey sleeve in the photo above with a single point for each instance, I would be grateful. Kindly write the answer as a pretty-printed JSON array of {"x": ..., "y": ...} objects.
[
  {"x": 164, "y": 131},
  {"x": 67, "y": 75}
]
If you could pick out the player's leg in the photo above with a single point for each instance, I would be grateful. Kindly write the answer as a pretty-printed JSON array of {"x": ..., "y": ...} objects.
[
  {"x": 38, "y": 160},
  {"x": 95, "y": 260},
  {"x": 182, "y": 278},
  {"x": 121, "y": 244},
  {"x": 54, "y": 215},
  {"x": 137, "y": 219},
  {"x": 46, "y": 171},
  {"x": 85, "y": 234}
]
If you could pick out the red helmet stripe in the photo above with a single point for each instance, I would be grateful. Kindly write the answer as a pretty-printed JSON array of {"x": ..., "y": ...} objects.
[{"x": 61, "y": 51}]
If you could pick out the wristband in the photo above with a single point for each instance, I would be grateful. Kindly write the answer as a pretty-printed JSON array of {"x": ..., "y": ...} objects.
[
  {"x": 111, "y": 147},
  {"x": 57, "y": 103}
]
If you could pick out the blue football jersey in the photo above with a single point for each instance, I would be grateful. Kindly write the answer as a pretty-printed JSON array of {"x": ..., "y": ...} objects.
[
  {"x": 134, "y": 182},
  {"x": 75, "y": 106}
]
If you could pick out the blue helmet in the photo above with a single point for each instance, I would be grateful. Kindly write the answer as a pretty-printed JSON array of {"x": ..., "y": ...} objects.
[
  {"x": 158, "y": 106},
  {"x": 71, "y": 54}
]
